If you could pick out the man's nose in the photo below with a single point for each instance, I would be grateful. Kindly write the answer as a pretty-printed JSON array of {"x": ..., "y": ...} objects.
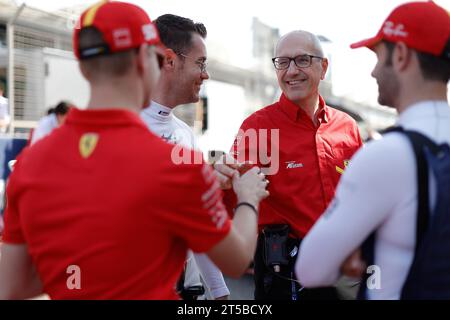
[
  {"x": 205, "y": 75},
  {"x": 292, "y": 69}
]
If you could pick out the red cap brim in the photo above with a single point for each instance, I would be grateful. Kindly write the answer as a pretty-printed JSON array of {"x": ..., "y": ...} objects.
[{"x": 369, "y": 43}]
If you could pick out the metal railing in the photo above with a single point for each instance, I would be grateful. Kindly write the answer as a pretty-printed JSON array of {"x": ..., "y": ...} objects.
[{"x": 29, "y": 32}]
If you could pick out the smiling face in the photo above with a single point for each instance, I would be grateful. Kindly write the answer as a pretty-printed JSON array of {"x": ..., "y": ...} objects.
[
  {"x": 189, "y": 73},
  {"x": 300, "y": 84}
]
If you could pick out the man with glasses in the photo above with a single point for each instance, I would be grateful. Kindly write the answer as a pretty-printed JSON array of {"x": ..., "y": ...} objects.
[
  {"x": 315, "y": 144},
  {"x": 182, "y": 74}
]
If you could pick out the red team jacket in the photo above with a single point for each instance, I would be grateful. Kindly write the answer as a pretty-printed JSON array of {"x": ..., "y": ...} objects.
[
  {"x": 303, "y": 162},
  {"x": 102, "y": 196}
]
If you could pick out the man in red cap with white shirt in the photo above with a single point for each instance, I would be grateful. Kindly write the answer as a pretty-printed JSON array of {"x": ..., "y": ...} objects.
[
  {"x": 111, "y": 215},
  {"x": 393, "y": 200}
]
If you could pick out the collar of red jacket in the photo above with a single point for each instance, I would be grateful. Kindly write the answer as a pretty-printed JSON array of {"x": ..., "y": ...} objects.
[
  {"x": 104, "y": 117},
  {"x": 294, "y": 112}
]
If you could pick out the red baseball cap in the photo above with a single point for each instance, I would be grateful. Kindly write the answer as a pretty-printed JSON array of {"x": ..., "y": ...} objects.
[
  {"x": 423, "y": 26},
  {"x": 124, "y": 26}
]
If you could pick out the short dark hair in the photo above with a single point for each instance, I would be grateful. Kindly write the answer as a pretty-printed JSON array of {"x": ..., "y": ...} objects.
[
  {"x": 61, "y": 108},
  {"x": 113, "y": 64},
  {"x": 176, "y": 32},
  {"x": 432, "y": 67}
]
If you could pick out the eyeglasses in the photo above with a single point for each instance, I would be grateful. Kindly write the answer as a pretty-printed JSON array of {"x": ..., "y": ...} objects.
[
  {"x": 301, "y": 61},
  {"x": 202, "y": 64}
]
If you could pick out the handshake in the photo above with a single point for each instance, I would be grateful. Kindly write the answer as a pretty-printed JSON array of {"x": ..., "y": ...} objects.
[{"x": 246, "y": 179}]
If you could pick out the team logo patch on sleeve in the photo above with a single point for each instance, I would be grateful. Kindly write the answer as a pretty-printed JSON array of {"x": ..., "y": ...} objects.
[
  {"x": 88, "y": 143},
  {"x": 341, "y": 170}
]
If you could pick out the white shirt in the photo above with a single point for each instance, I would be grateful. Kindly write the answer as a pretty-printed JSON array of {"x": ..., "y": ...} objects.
[
  {"x": 378, "y": 192},
  {"x": 44, "y": 127},
  {"x": 4, "y": 111},
  {"x": 164, "y": 123},
  {"x": 4, "y": 114},
  {"x": 161, "y": 121}
]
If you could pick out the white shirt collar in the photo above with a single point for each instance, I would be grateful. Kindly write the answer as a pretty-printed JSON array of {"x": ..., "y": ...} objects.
[
  {"x": 423, "y": 109},
  {"x": 159, "y": 111}
]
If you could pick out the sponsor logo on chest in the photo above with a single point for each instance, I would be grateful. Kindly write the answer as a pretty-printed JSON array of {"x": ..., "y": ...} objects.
[{"x": 294, "y": 165}]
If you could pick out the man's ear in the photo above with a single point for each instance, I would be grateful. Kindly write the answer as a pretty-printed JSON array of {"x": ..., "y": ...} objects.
[
  {"x": 169, "y": 58},
  {"x": 324, "y": 68},
  {"x": 402, "y": 56},
  {"x": 84, "y": 71}
]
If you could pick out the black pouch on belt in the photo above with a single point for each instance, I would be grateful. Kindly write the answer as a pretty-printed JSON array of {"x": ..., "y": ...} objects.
[{"x": 275, "y": 245}]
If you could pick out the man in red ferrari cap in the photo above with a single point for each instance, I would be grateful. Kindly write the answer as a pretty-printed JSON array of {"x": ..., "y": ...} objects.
[
  {"x": 393, "y": 200},
  {"x": 110, "y": 215}
]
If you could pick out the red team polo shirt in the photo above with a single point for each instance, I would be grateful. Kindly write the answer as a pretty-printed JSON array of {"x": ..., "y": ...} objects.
[
  {"x": 311, "y": 160},
  {"x": 101, "y": 193}
]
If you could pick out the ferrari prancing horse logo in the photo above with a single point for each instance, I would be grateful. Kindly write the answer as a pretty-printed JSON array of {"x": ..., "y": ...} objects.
[{"x": 88, "y": 143}]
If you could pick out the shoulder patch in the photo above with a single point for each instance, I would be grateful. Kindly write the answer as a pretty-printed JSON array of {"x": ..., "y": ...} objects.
[{"x": 88, "y": 143}]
